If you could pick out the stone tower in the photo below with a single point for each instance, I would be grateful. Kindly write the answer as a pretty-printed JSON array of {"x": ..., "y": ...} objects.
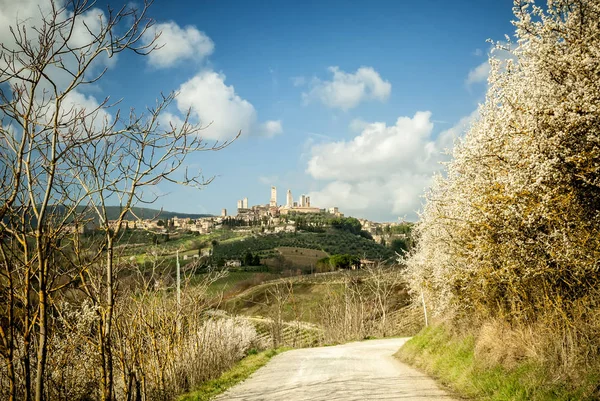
[
  {"x": 273, "y": 202},
  {"x": 289, "y": 201}
]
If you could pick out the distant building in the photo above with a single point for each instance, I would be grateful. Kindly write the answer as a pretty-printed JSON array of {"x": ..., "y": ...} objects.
[
  {"x": 245, "y": 203},
  {"x": 307, "y": 201},
  {"x": 240, "y": 204},
  {"x": 303, "y": 201},
  {"x": 299, "y": 209},
  {"x": 289, "y": 200},
  {"x": 290, "y": 228},
  {"x": 295, "y": 204},
  {"x": 223, "y": 212},
  {"x": 366, "y": 263},
  {"x": 333, "y": 210},
  {"x": 233, "y": 263},
  {"x": 273, "y": 202},
  {"x": 83, "y": 228}
]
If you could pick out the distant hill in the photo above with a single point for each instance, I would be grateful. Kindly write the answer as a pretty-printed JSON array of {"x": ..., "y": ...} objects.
[
  {"x": 113, "y": 213},
  {"x": 147, "y": 213}
]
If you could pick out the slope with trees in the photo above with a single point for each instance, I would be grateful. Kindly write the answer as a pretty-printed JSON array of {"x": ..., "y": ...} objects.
[{"x": 332, "y": 242}]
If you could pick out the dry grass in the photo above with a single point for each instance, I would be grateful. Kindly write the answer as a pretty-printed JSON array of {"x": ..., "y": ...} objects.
[{"x": 301, "y": 257}]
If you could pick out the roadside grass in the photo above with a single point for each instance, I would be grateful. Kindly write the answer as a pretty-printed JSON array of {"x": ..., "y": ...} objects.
[
  {"x": 240, "y": 372},
  {"x": 451, "y": 359}
]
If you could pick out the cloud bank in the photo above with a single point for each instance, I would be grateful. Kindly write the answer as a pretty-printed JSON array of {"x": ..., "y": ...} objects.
[
  {"x": 382, "y": 171},
  {"x": 177, "y": 45},
  {"x": 345, "y": 90}
]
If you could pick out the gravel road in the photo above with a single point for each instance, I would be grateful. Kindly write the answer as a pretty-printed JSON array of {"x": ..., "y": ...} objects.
[{"x": 356, "y": 371}]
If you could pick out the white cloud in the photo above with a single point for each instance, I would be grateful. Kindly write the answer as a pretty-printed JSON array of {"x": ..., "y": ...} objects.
[
  {"x": 268, "y": 179},
  {"x": 357, "y": 125},
  {"x": 445, "y": 140},
  {"x": 298, "y": 81},
  {"x": 28, "y": 15},
  {"x": 177, "y": 44},
  {"x": 374, "y": 151},
  {"x": 168, "y": 121},
  {"x": 482, "y": 71},
  {"x": 217, "y": 106},
  {"x": 87, "y": 108},
  {"x": 85, "y": 30},
  {"x": 27, "y": 12},
  {"x": 346, "y": 90},
  {"x": 479, "y": 73},
  {"x": 384, "y": 170},
  {"x": 271, "y": 128}
]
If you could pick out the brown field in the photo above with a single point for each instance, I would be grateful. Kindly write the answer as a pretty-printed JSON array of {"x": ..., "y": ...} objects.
[{"x": 300, "y": 257}]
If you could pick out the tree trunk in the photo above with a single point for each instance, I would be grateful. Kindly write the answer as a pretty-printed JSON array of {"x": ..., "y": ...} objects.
[
  {"x": 8, "y": 338},
  {"x": 43, "y": 338},
  {"x": 107, "y": 331},
  {"x": 27, "y": 334}
]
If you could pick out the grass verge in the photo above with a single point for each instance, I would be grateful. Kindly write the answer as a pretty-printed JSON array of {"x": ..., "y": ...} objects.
[
  {"x": 240, "y": 372},
  {"x": 451, "y": 360}
]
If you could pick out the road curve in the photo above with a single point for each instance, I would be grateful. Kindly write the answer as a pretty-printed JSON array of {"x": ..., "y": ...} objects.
[{"x": 355, "y": 371}]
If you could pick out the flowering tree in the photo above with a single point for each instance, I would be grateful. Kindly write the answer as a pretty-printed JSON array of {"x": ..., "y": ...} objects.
[{"x": 513, "y": 230}]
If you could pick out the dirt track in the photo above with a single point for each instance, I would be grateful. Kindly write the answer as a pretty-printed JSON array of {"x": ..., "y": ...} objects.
[{"x": 356, "y": 371}]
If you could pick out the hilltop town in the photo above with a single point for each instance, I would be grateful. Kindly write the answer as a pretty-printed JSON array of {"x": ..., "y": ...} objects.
[{"x": 264, "y": 219}]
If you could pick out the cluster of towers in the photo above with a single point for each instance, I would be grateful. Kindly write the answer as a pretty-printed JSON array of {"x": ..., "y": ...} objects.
[
  {"x": 303, "y": 202},
  {"x": 242, "y": 203},
  {"x": 289, "y": 200}
]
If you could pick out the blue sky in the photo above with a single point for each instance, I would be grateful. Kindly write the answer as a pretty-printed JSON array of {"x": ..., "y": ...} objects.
[{"x": 350, "y": 102}]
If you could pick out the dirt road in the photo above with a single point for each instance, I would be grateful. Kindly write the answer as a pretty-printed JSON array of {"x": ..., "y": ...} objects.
[{"x": 356, "y": 371}]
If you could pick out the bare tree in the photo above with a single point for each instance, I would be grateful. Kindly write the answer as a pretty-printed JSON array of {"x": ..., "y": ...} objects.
[
  {"x": 277, "y": 297},
  {"x": 62, "y": 164},
  {"x": 383, "y": 281}
]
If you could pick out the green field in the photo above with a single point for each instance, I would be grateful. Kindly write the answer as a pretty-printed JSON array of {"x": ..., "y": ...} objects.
[
  {"x": 236, "y": 282},
  {"x": 304, "y": 303},
  {"x": 307, "y": 296}
]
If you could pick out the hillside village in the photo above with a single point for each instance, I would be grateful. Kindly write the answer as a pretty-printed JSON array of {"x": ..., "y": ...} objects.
[{"x": 261, "y": 219}]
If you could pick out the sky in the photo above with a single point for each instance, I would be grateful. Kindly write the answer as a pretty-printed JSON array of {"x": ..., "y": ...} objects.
[{"x": 352, "y": 103}]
